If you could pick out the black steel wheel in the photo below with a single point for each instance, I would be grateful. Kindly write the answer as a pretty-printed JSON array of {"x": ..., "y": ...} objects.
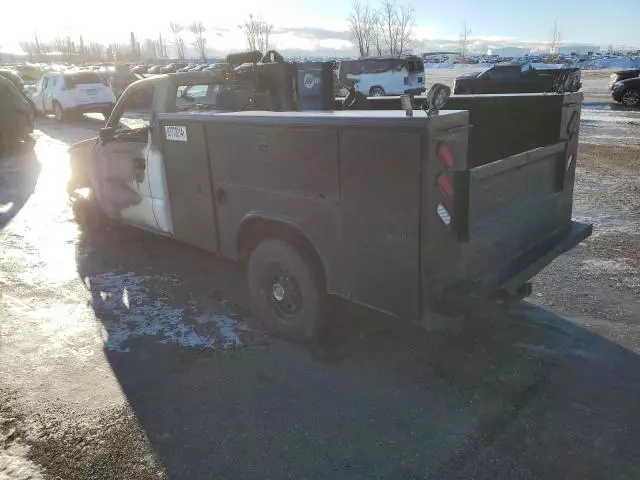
[{"x": 285, "y": 292}]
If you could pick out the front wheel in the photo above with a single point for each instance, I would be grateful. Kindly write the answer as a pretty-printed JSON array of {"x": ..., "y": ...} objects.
[
  {"x": 58, "y": 112},
  {"x": 285, "y": 291},
  {"x": 376, "y": 92},
  {"x": 631, "y": 98}
]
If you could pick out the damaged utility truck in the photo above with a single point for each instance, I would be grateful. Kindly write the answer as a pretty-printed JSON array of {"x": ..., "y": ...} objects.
[{"x": 412, "y": 215}]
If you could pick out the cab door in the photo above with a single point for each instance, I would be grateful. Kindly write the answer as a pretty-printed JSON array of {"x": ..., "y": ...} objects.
[
  {"x": 48, "y": 95},
  {"x": 38, "y": 96},
  {"x": 120, "y": 176}
]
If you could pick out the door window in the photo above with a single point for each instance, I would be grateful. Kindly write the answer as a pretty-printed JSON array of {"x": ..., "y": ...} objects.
[{"x": 134, "y": 112}]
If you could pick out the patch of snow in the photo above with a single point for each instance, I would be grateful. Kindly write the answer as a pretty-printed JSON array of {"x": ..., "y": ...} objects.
[
  {"x": 15, "y": 466},
  {"x": 149, "y": 313},
  {"x": 618, "y": 63}
]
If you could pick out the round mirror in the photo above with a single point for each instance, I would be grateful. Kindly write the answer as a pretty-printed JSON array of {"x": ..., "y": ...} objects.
[{"x": 437, "y": 98}]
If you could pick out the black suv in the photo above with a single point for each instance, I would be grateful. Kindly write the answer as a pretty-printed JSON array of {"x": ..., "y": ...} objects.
[{"x": 625, "y": 87}]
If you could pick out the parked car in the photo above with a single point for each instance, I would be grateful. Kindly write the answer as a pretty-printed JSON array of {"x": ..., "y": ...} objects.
[
  {"x": 140, "y": 69},
  {"x": 155, "y": 69},
  {"x": 622, "y": 75},
  {"x": 378, "y": 76},
  {"x": 14, "y": 77},
  {"x": 627, "y": 92},
  {"x": 172, "y": 67},
  {"x": 16, "y": 115},
  {"x": 518, "y": 78},
  {"x": 73, "y": 93},
  {"x": 449, "y": 214}
]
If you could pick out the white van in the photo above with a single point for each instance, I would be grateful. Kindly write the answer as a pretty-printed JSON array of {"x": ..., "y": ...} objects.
[
  {"x": 69, "y": 93},
  {"x": 378, "y": 76}
]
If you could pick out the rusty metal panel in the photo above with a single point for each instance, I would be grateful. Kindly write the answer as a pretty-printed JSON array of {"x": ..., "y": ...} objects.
[
  {"x": 380, "y": 188},
  {"x": 286, "y": 173},
  {"x": 189, "y": 184}
]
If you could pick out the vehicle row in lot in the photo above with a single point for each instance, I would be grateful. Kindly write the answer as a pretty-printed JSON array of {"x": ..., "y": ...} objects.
[{"x": 625, "y": 87}]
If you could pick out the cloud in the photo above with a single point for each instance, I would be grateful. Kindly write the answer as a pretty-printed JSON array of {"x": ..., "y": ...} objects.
[{"x": 314, "y": 33}]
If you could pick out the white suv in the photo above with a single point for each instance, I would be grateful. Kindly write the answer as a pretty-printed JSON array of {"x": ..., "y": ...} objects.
[{"x": 66, "y": 94}]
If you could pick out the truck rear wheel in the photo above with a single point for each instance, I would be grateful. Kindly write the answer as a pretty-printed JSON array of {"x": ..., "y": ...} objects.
[{"x": 285, "y": 292}]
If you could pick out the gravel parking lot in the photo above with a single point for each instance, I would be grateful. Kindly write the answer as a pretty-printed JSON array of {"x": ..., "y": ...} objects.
[{"x": 128, "y": 356}]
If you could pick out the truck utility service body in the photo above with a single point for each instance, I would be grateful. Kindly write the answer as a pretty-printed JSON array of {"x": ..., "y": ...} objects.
[{"x": 409, "y": 215}]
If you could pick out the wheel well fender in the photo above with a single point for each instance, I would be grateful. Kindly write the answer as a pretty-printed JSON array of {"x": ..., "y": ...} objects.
[{"x": 257, "y": 226}]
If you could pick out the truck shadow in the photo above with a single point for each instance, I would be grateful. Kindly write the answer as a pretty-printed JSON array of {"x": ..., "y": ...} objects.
[
  {"x": 525, "y": 394},
  {"x": 19, "y": 170}
]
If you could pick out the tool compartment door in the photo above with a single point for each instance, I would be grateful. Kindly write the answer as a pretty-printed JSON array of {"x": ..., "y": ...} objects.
[{"x": 188, "y": 175}]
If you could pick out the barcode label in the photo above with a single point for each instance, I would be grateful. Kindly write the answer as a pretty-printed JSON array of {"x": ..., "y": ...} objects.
[{"x": 178, "y": 134}]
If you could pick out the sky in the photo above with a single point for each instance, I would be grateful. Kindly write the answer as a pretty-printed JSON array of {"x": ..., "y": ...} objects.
[{"x": 314, "y": 25}]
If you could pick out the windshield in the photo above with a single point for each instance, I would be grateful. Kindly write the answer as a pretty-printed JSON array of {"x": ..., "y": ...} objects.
[
  {"x": 81, "y": 78},
  {"x": 199, "y": 97}
]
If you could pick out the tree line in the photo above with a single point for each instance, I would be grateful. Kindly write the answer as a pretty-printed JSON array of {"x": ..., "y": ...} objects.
[
  {"x": 383, "y": 30},
  {"x": 256, "y": 31}
]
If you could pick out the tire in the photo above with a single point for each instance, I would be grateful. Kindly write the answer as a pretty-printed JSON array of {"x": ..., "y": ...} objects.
[
  {"x": 58, "y": 112},
  {"x": 376, "y": 92},
  {"x": 631, "y": 98},
  {"x": 285, "y": 291}
]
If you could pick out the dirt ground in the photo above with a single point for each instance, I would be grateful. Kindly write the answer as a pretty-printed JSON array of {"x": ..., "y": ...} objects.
[{"x": 128, "y": 356}]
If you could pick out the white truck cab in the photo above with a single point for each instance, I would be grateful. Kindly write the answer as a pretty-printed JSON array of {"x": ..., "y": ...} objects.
[{"x": 69, "y": 93}]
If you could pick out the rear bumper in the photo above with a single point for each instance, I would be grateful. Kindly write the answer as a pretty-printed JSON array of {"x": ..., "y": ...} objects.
[
  {"x": 92, "y": 107},
  {"x": 516, "y": 273},
  {"x": 415, "y": 91},
  {"x": 545, "y": 254}
]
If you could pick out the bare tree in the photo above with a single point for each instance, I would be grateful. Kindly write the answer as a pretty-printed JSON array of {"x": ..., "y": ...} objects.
[
  {"x": 396, "y": 26},
  {"x": 162, "y": 46},
  {"x": 96, "y": 51},
  {"x": 377, "y": 41},
  {"x": 555, "y": 40},
  {"x": 257, "y": 33},
  {"x": 363, "y": 23},
  {"x": 148, "y": 49},
  {"x": 464, "y": 41},
  {"x": 405, "y": 20},
  {"x": 200, "y": 40},
  {"x": 179, "y": 42}
]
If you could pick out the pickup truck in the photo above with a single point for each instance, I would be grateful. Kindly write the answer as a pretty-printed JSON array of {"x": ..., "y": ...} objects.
[
  {"x": 519, "y": 78},
  {"x": 417, "y": 216}
]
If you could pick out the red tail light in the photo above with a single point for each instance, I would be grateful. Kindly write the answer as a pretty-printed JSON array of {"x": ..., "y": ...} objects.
[
  {"x": 444, "y": 184},
  {"x": 406, "y": 80},
  {"x": 445, "y": 155}
]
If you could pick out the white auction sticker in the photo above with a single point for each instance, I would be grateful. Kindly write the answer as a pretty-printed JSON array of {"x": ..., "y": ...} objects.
[{"x": 178, "y": 134}]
